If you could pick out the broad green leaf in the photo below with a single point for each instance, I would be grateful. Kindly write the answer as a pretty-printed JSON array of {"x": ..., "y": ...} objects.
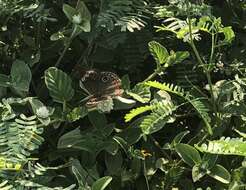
[
  {"x": 85, "y": 14},
  {"x": 110, "y": 146},
  {"x": 59, "y": 85},
  {"x": 159, "y": 52},
  {"x": 69, "y": 11},
  {"x": 5, "y": 80},
  {"x": 121, "y": 103},
  {"x": 123, "y": 144},
  {"x": 102, "y": 183},
  {"x": 209, "y": 160},
  {"x": 75, "y": 140},
  {"x": 188, "y": 154},
  {"x": 79, "y": 172},
  {"x": 131, "y": 135},
  {"x": 114, "y": 163},
  {"x": 97, "y": 119},
  {"x": 20, "y": 76},
  {"x": 178, "y": 138},
  {"x": 221, "y": 174},
  {"x": 125, "y": 82}
]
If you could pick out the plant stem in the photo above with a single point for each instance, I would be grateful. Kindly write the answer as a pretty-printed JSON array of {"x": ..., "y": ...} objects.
[
  {"x": 145, "y": 175},
  {"x": 202, "y": 63},
  {"x": 51, "y": 122},
  {"x": 151, "y": 76},
  {"x": 67, "y": 45}
]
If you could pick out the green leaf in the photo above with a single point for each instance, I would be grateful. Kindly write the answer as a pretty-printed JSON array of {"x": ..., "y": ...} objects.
[
  {"x": 188, "y": 154},
  {"x": 77, "y": 113},
  {"x": 114, "y": 163},
  {"x": 125, "y": 82},
  {"x": 159, "y": 52},
  {"x": 224, "y": 146},
  {"x": 80, "y": 16},
  {"x": 177, "y": 139},
  {"x": 121, "y": 103},
  {"x": 177, "y": 57},
  {"x": 197, "y": 173},
  {"x": 79, "y": 172},
  {"x": 42, "y": 112},
  {"x": 20, "y": 76},
  {"x": 5, "y": 81},
  {"x": 135, "y": 112},
  {"x": 102, "y": 183},
  {"x": 158, "y": 118},
  {"x": 229, "y": 34},
  {"x": 221, "y": 174},
  {"x": 59, "y": 85},
  {"x": 140, "y": 93},
  {"x": 97, "y": 119},
  {"x": 85, "y": 14},
  {"x": 69, "y": 11},
  {"x": 209, "y": 160}
]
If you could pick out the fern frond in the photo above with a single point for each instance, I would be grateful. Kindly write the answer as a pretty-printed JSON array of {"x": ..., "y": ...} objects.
[
  {"x": 167, "y": 87},
  {"x": 180, "y": 28},
  {"x": 224, "y": 146},
  {"x": 5, "y": 186},
  {"x": 156, "y": 120},
  {"x": 128, "y": 15},
  {"x": 19, "y": 138},
  {"x": 202, "y": 110},
  {"x": 135, "y": 112},
  {"x": 196, "y": 103}
]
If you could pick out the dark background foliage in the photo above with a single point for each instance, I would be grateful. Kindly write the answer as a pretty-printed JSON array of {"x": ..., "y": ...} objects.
[{"x": 40, "y": 34}]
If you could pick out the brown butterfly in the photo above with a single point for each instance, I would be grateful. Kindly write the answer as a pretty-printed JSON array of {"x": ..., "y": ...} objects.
[{"x": 100, "y": 86}]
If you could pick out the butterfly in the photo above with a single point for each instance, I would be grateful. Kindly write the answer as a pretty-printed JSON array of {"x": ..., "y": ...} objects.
[{"x": 100, "y": 86}]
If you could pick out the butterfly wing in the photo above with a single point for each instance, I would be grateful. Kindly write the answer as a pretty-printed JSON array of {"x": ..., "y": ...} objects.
[{"x": 101, "y": 86}]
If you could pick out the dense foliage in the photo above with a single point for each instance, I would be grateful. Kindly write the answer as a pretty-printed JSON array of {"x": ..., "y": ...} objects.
[{"x": 180, "y": 123}]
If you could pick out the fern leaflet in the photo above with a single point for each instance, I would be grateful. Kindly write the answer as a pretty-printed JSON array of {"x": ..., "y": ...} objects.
[
  {"x": 225, "y": 146},
  {"x": 156, "y": 120},
  {"x": 135, "y": 112}
]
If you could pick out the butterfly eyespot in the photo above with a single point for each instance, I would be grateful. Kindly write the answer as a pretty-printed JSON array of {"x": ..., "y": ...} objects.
[{"x": 105, "y": 78}]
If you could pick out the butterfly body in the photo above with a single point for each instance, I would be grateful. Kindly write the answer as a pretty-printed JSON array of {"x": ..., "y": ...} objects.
[{"x": 100, "y": 86}]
